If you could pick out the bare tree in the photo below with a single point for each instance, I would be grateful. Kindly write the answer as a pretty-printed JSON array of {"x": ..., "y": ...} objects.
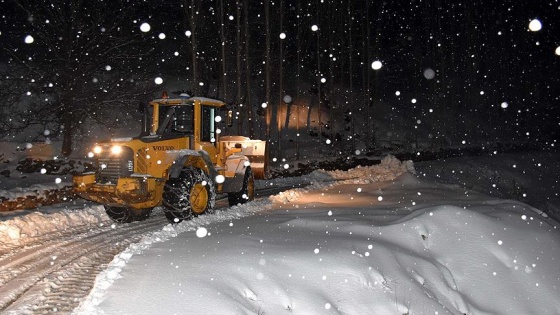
[{"x": 78, "y": 66}]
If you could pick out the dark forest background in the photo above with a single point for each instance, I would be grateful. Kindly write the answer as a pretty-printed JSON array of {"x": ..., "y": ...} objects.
[{"x": 453, "y": 73}]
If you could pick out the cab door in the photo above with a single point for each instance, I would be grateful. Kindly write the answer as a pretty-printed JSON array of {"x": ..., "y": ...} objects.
[{"x": 208, "y": 132}]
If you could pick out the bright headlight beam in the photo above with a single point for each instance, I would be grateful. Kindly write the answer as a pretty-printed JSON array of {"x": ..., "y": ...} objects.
[
  {"x": 116, "y": 150},
  {"x": 97, "y": 150}
]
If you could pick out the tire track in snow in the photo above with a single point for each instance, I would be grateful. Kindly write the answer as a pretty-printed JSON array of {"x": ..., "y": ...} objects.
[
  {"x": 55, "y": 276},
  {"x": 55, "y": 272}
]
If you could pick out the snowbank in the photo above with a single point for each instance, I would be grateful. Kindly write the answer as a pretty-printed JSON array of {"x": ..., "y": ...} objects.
[
  {"x": 359, "y": 246},
  {"x": 35, "y": 226}
]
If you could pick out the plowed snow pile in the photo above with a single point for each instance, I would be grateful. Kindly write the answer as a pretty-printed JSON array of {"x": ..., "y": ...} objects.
[{"x": 379, "y": 241}]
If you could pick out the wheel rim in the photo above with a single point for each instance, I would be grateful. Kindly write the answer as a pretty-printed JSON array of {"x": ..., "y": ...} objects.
[{"x": 199, "y": 198}]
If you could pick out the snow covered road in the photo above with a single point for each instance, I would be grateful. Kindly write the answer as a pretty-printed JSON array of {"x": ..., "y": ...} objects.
[
  {"x": 53, "y": 275},
  {"x": 49, "y": 262},
  {"x": 371, "y": 240}
]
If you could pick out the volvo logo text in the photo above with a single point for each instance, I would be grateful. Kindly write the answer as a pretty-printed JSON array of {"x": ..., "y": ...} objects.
[{"x": 163, "y": 147}]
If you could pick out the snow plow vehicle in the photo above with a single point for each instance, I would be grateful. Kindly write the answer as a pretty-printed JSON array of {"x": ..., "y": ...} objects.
[{"x": 179, "y": 161}]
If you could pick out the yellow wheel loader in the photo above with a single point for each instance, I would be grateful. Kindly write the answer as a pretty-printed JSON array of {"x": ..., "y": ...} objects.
[{"x": 179, "y": 161}]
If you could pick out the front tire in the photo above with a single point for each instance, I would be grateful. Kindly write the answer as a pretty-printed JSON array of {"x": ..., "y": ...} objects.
[
  {"x": 247, "y": 193},
  {"x": 189, "y": 195}
]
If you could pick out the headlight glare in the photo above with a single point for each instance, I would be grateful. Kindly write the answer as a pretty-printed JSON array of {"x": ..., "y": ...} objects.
[{"x": 116, "y": 150}]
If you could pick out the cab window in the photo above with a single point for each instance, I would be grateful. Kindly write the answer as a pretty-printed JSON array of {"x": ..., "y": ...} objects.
[
  {"x": 183, "y": 121},
  {"x": 208, "y": 132}
]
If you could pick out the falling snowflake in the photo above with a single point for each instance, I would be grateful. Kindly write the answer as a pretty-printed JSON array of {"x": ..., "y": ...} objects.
[
  {"x": 535, "y": 25},
  {"x": 201, "y": 232},
  {"x": 145, "y": 27},
  {"x": 429, "y": 73}
]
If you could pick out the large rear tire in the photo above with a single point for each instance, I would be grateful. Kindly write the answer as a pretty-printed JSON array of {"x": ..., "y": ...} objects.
[
  {"x": 247, "y": 193},
  {"x": 190, "y": 194},
  {"x": 127, "y": 215}
]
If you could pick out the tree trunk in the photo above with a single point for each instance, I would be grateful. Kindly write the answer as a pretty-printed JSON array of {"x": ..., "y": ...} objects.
[
  {"x": 298, "y": 73},
  {"x": 267, "y": 71},
  {"x": 67, "y": 133},
  {"x": 248, "y": 104},
  {"x": 366, "y": 79},
  {"x": 238, "y": 54},
  {"x": 194, "y": 47},
  {"x": 223, "y": 52},
  {"x": 350, "y": 77},
  {"x": 319, "y": 73}
]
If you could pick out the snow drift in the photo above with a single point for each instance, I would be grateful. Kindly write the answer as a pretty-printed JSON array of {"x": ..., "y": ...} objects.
[{"x": 358, "y": 246}]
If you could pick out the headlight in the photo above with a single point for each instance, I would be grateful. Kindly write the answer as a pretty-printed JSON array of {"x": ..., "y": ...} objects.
[
  {"x": 116, "y": 150},
  {"x": 97, "y": 149}
]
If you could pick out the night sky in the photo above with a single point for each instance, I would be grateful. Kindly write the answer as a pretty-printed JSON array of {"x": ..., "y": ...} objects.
[{"x": 451, "y": 70}]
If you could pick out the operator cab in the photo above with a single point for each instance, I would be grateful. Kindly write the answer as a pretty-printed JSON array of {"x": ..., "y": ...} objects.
[{"x": 167, "y": 118}]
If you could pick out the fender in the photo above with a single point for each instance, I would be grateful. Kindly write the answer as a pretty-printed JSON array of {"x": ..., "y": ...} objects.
[
  {"x": 236, "y": 164},
  {"x": 199, "y": 159}
]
